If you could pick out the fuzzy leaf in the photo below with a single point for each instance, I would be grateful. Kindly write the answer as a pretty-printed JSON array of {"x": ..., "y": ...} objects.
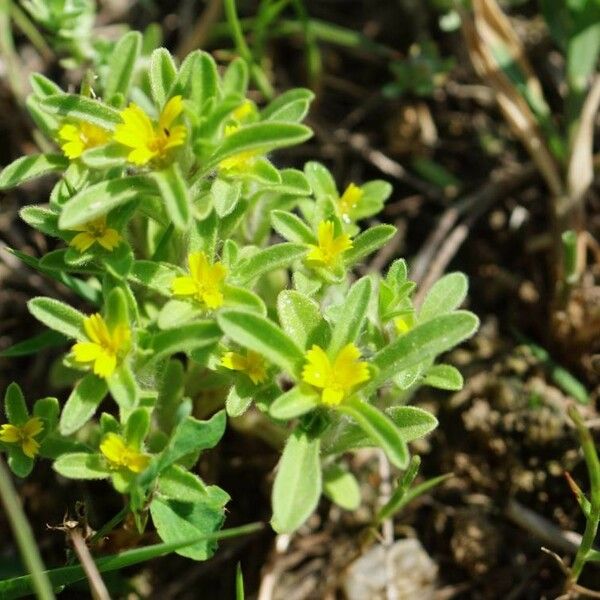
[
  {"x": 445, "y": 295},
  {"x": 58, "y": 316},
  {"x": 175, "y": 195},
  {"x": 121, "y": 64},
  {"x": 301, "y": 319},
  {"x": 81, "y": 465},
  {"x": 80, "y": 108},
  {"x": 264, "y": 261},
  {"x": 185, "y": 338},
  {"x": 82, "y": 403},
  {"x": 444, "y": 377},
  {"x": 29, "y": 167},
  {"x": 291, "y": 227},
  {"x": 289, "y": 106},
  {"x": 368, "y": 242},
  {"x": 341, "y": 487},
  {"x": 163, "y": 74},
  {"x": 294, "y": 403},
  {"x": 263, "y": 336},
  {"x": 14, "y": 405},
  {"x": 99, "y": 199}
]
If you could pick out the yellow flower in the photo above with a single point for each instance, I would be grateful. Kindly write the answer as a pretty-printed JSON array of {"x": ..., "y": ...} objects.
[
  {"x": 238, "y": 163},
  {"x": 80, "y": 137},
  {"x": 121, "y": 456},
  {"x": 105, "y": 346},
  {"x": 95, "y": 231},
  {"x": 330, "y": 247},
  {"x": 350, "y": 198},
  {"x": 404, "y": 323},
  {"x": 336, "y": 378},
  {"x": 147, "y": 140},
  {"x": 244, "y": 110},
  {"x": 252, "y": 364},
  {"x": 23, "y": 435},
  {"x": 205, "y": 281}
]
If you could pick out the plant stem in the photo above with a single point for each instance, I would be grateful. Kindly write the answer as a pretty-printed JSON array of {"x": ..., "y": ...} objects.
[
  {"x": 593, "y": 466},
  {"x": 261, "y": 80},
  {"x": 24, "y": 536}
]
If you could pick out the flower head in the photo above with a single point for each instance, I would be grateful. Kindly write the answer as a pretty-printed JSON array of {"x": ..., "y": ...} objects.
[
  {"x": 245, "y": 109},
  {"x": 336, "y": 378},
  {"x": 404, "y": 323},
  {"x": 76, "y": 138},
  {"x": 93, "y": 232},
  {"x": 350, "y": 198},
  {"x": 240, "y": 162},
  {"x": 204, "y": 282},
  {"x": 23, "y": 435},
  {"x": 105, "y": 347},
  {"x": 252, "y": 364},
  {"x": 148, "y": 140},
  {"x": 329, "y": 248},
  {"x": 121, "y": 456}
]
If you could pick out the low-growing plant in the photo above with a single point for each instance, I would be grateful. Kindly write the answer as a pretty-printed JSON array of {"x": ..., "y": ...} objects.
[{"x": 213, "y": 282}]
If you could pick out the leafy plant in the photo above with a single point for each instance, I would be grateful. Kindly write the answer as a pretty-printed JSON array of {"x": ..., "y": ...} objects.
[{"x": 166, "y": 213}]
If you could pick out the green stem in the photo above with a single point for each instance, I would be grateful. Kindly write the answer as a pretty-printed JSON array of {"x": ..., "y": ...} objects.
[
  {"x": 593, "y": 467},
  {"x": 7, "y": 49},
  {"x": 261, "y": 80},
  {"x": 24, "y": 535}
]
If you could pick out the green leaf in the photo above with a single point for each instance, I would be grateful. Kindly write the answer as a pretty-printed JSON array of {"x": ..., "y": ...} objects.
[
  {"x": 29, "y": 167},
  {"x": 341, "y": 487},
  {"x": 58, "y": 316},
  {"x": 163, "y": 74},
  {"x": 41, "y": 218},
  {"x": 244, "y": 299},
  {"x": 368, "y": 242},
  {"x": 235, "y": 78},
  {"x": 81, "y": 108},
  {"x": 121, "y": 64},
  {"x": 289, "y": 106},
  {"x": 81, "y": 465},
  {"x": 352, "y": 316},
  {"x": 237, "y": 404},
  {"x": 176, "y": 521},
  {"x": 17, "y": 587},
  {"x": 104, "y": 157},
  {"x": 278, "y": 256},
  {"x": 154, "y": 275},
  {"x": 262, "y": 137},
  {"x": 444, "y": 377},
  {"x": 321, "y": 181},
  {"x": 291, "y": 227},
  {"x": 379, "y": 428},
  {"x": 412, "y": 422},
  {"x": 177, "y": 483},
  {"x": 32, "y": 345},
  {"x": 294, "y": 403},
  {"x": 445, "y": 295},
  {"x": 263, "y": 336},
  {"x": 185, "y": 338},
  {"x": 190, "y": 435},
  {"x": 175, "y": 195},
  {"x": 138, "y": 425},
  {"x": 42, "y": 86},
  {"x": 15, "y": 406},
  {"x": 82, "y": 403},
  {"x": 123, "y": 387},
  {"x": 225, "y": 195},
  {"x": 424, "y": 342},
  {"x": 204, "y": 79},
  {"x": 297, "y": 486},
  {"x": 301, "y": 319},
  {"x": 20, "y": 464},
  {"x": 99, "y": 199}
]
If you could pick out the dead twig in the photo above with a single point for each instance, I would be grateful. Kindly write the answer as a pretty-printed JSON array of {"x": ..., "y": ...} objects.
[{"x": 97, "y": 586}]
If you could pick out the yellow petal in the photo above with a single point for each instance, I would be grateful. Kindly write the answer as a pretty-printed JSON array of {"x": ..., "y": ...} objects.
[
  {"x": 325, "y": 233},
  {"x": 315, "y": 255},
  {"x": 234, "y": 361},
  {"x": 85, "y": 352},
  {"x": 136, "y": 129},
  {"x": 96, "y": 329},
  {"x": 350, "y": 198},
  {"x": 317, "y": 370},
  {"x": 141, "y": 155},
  {"x": 136, "y": 461},
  {"x": 198, "y": 265},
  {"x": 82, "y": 241},
  {"x": 340, "y": 244},
  {"x": 348, "y": 369},
  {"x": 332, "y": 396},
  {"x": 110, "y": 240},
  {"x": 73, "y": 149},
  {"x": 105, "y": 364},
  {"x": 34, "y": 426},
  {"x": 69, "y": 133},
  {"x": 183, "y": 286},
  {"x": 113, "y": 447},
  {"x": 9, "y": 433},
  {"x": 212, "y": 298},
  {"x": 177, "y": 136},
  {"x": 173, "y": 108},
  {"x": 30, "y": 447}
]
